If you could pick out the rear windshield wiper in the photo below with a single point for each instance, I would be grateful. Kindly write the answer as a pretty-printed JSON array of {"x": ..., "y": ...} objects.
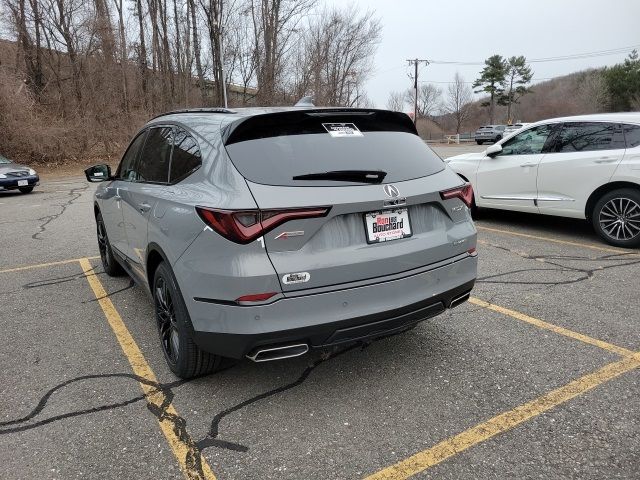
[{"x": 357, "y": 176}]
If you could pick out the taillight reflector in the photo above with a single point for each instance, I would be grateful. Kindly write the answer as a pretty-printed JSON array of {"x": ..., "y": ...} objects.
[
  {"x": 244, "y": 226},
  {"x": 464, "y": 193},
  {"x": 256, "y": 297}
]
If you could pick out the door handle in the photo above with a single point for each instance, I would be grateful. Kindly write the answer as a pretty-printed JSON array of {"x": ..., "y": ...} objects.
[
  {"x": 144, "y": 207},
  {"x": 528, "y": 164},
  {"x": 605, "y": 160}
]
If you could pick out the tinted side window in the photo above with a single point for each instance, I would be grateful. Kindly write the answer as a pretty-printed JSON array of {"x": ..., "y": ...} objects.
[
  {"x": 126, "y": 168},
  {"x": 529, "y": 142},
  {"x": 632, "y": 135},
  {"x": 588, "y": 137},
  {"x": 186, "y": 156},
  {"x": 156, "y": 155}
]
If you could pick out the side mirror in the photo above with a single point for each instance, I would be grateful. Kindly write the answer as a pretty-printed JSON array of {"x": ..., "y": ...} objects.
[
  {"x": 493, "y": 150},
  {"x": 98, "y": 173}
]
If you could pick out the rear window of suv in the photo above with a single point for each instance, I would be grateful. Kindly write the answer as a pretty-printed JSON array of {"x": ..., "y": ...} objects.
[{"x": 274, "y": 148}]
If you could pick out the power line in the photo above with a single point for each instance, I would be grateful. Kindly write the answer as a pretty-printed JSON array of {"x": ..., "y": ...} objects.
[{"x": 598, "y": 53}]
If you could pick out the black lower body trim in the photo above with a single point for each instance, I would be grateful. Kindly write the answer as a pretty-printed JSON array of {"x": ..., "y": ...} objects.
[{"x": 333, "y": 333}]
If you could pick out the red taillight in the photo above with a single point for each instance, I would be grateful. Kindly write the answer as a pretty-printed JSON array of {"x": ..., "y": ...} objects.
[
  {"x": 256, "y": 297},
  {"x": 244, "y": 226},
  {"x": 472, "y": 251},
  {"x": 464, "y": 193}
]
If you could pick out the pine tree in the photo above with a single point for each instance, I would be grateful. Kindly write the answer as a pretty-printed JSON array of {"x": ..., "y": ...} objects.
[
  {"x": 518, "y": 75},
  {"x": 491, "y": 80}
]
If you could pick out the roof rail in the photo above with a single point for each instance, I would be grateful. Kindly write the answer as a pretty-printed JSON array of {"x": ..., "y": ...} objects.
[{"x": 196, "y": 110}]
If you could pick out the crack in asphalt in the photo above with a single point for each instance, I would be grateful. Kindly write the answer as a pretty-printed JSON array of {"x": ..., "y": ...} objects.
[
  {"x": 74, "y": 193},
  {"x": 211, "y": 440},
  {"x": 553, "y": 260}
]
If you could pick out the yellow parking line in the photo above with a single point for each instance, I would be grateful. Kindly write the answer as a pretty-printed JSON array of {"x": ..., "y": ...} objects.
[
  {"x": 554, "y": 328},
  {"x": 184, "y": 449},
  {"x": 43, "y": 265},
  {"x": 503, "y": 422},
  {"x": 556, "y": 240}
]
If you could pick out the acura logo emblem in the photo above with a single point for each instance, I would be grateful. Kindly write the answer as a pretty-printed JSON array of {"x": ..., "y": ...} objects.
[{"x": 391, "y": 190}]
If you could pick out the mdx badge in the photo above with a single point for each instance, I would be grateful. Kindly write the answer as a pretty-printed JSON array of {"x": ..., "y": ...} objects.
[{"x": 391, "y": 190}]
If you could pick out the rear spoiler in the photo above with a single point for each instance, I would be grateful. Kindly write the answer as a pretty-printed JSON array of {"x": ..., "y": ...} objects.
[{"x": 309, "y": 121}]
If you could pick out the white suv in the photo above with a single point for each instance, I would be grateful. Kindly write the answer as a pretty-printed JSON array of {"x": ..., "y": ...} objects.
[{"x": 580, "y": 167}]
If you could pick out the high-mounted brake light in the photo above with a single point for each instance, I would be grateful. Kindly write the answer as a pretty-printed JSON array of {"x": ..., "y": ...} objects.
[
  {"x": 244, "y": 226},
  {"x": 464, "y": 193}
]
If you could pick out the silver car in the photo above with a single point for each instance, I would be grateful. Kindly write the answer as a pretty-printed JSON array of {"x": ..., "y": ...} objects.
[
  {"x": 489, "y": 133},
  {"x": 262, "y": 233}
]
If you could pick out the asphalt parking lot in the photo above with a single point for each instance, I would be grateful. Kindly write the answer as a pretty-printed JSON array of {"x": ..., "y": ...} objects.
[{"x": 536, "y": 377}]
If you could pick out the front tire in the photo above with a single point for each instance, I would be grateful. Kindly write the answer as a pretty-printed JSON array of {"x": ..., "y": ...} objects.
[
  {"x": 183, "y": 356},
  {"x": 25, "y": 189},
  {"x": 616, "y": 217},
  {"x": 109, "y": 263},
  {"x": 479, "y": 142},
  {"x": 498, "y": 138}
]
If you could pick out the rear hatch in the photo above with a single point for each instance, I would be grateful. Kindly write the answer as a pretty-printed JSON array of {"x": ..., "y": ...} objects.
[{"x": 378, "y": 181}]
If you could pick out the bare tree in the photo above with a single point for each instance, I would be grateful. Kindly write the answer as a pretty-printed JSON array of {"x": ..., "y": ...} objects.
[
  {"x": 459, "y": 98},
  {"x": 429, "y": 99},
  {"x": 275, "y": 25},
  {"x": 335, "y": 55},
  {"x": 396, "y": 101}
]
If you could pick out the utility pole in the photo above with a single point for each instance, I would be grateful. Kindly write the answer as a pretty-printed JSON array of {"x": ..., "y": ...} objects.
[{"x": 416, "y": 62}]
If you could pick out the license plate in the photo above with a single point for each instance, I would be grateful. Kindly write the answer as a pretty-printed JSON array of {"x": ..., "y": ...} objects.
[
  {"x": 23, "y": 183},
  {"x": 387, "y": 225}
]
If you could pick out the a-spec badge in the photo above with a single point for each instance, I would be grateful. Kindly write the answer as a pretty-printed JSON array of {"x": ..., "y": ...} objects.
[
  {"x": 297, "y": 233},
  {"x": 300, "y": 277}
]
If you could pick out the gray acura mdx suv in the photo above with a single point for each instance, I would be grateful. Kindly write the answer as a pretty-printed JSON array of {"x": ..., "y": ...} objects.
[{"x": 266, "y": 232}]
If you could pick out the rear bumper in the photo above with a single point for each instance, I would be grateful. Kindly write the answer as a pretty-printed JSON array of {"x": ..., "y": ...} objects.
[
  {"x": 11, "y": 183},
  {"x": 334, "y": 317}
]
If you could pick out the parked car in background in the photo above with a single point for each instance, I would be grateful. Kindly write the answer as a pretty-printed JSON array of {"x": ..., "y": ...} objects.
[
  {"x": 262, "y": 233},
  {"x": 513, "y": 128},
  {"x": 14, "y": 176},
  {"x": 580, "y": 167},
  {"x": 489, "y": 133}
]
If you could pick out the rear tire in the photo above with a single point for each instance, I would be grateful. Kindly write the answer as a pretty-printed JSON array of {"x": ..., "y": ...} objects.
[
  {"x": 109, "y": 263},
  {"x": 25, "y": 189},
  {"x": 183, "y": 356},
  {"x": 479, "y": 142},
  {"x": 616, "y": 217},
  {"x": 498, "y": 138}
]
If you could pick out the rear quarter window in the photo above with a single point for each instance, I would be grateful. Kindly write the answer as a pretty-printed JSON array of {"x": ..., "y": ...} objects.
[
  {"x": 272, "y": 149},
  {"x": 632, "y": 135}
]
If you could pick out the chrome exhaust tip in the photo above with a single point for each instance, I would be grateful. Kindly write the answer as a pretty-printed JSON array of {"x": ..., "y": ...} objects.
[
  {"x": 278, "y": 353},
  {"x": 460, "y": 299}
]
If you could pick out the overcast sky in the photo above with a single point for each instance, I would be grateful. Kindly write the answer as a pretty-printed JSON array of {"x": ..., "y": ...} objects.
[{"x": 471, "y": 31}]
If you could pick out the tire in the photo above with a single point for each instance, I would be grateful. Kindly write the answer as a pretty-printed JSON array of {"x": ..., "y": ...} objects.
[
  {"x": 25, "y": 189},
  {"x": 109, "y": 263},
  {"x": 498, "y": 138},
  {"x": 616, "y": 217},
  {"x": 183, "y": 356},
  {"x": 479, "y": 142}
]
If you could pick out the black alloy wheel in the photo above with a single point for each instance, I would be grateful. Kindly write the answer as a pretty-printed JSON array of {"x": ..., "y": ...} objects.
[
  {"x": 109, "y": 263},
  {"x": 167, "y": 323},
  {"x": 183, "y": 356}
]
